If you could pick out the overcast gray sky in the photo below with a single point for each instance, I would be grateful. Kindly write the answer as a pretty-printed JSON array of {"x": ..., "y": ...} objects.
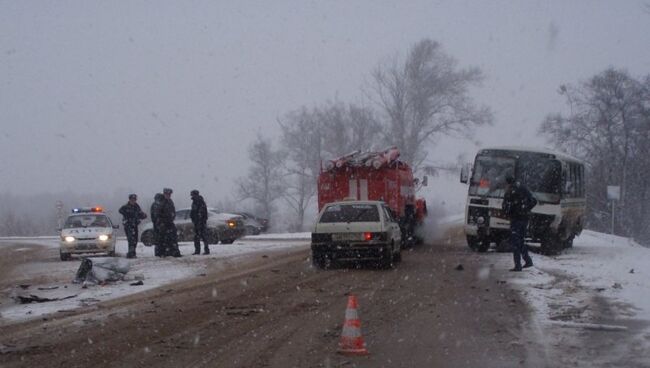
[{"x": 140, "y": 95}]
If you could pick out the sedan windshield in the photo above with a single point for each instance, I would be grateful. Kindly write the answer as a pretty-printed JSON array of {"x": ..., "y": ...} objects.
[
  {"x": 86, "y": 221},
  {"x": 350, "y": 213}
]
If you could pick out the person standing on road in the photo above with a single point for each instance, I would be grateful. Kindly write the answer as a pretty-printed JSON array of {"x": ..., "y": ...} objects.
[
  {"x": 199, "y": 216},
  {"x": 168, "y": 228},
  {"x": 131, "y": 216},
  {"x": 155, "y": 209},
  {"x": 518, "y": 201}
]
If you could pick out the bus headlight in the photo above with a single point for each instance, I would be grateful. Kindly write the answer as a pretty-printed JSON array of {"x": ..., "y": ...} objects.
[
  {"x": 480, "y": 220},
  {"x": 103, "y": 237}
]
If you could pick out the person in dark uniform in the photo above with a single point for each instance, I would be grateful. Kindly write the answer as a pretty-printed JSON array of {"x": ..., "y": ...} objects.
[
  {"x": 131, "y": 217},
  {"x": 199, "y": 216},
  {"x": 518, "y": 201},
  {"x": 168, "y": 228},
  {"x": 156, "y": 206}
]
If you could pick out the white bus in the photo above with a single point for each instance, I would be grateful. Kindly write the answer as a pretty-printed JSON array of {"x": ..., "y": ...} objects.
[{"x": 556, "y": 180}]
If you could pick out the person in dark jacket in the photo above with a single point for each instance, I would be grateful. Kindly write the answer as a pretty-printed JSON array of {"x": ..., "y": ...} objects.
[
  {"x": 167, "y": 226},
  {"x": 199, "y": 216},
  {"x": 518, "y": 201},
  {"x": 156, "y": 206},
  {"x": 131, "y": 217}
]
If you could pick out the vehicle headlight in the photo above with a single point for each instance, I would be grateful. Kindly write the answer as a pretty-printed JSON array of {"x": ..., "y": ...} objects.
[
  {"x": 104, "y": 237},
  {"x": 480, "y": 220},
  {"x": 69, "y": 239},
  {"x": 232, "y": 224}
]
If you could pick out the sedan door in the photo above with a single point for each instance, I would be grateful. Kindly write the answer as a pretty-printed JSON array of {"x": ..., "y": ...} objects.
[{"x": 392, "y": 225}]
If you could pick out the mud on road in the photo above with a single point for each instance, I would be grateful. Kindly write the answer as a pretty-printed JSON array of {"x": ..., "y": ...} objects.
[{"x": 276, "y": 310}]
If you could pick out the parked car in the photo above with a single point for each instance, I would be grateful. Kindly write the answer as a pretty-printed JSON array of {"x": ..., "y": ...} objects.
[
  {"x": 221, "y": 227},
  {"x": 87, "y": 230},
  {"x": 251, "y": 224},
  {"x": 264, "y": 223},
  {"x": 356, "y": 231}
]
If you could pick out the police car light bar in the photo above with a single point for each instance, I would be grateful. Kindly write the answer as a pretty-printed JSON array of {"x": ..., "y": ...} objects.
[{"x": 87, "y": 209}]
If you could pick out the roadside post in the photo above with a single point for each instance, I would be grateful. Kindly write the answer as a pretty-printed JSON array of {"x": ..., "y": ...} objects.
[
  {"x": 59, "y": 214},
  {"x": 613, "y": 195}
]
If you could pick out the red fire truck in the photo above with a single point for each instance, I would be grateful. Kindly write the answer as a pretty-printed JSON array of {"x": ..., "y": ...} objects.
[{"x": 375, "y": 176}]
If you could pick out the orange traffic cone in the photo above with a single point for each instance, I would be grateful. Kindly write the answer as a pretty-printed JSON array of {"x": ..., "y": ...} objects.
[{"x": 351, "y": 339}]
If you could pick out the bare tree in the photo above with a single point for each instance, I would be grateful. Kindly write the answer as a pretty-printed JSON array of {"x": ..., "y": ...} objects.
[
  {"x": 426, "y": 97},
  {"x": 302, "y": 139},
  {"x": 310, "y": 135},
  {"x": 264, "y": 183},
  {"x": 608, "y": 126},
  {"x": 347, "y": 128}
]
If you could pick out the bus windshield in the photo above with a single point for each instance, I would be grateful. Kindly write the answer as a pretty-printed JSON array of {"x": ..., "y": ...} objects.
[
  {"x": 541, "y": 175},
  {"x": 489, "y": 177}
]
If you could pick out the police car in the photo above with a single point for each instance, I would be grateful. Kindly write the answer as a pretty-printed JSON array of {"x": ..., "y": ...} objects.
[{"x": 87, "y": 230}]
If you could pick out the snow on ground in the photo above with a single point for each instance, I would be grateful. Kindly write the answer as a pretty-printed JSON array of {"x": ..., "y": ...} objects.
[
  {"x": 155, "y": 272},
  {"x": 614, "y": 267},
  {"x": 591, "y": 303}
]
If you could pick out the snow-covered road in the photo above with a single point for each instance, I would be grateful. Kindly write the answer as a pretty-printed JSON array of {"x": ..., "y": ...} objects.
[
  {"x": 55, "y": 276},
  {"x": 601, "y": 283}
]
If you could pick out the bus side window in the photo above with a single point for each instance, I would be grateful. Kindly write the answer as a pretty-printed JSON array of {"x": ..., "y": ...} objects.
[
  {"x": 572, "y": 171},
  {"x": 566, "y": 176},
  {"x": 582, "y": 181}
]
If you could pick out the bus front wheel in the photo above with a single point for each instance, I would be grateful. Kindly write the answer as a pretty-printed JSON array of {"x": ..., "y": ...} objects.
[
  {"x": 551, "y": 245},
  {"x": 472, "y": 242}
]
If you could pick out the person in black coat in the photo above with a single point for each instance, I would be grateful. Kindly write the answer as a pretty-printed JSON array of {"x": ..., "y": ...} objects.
[
  {"x": 131, "y": 217},
  {"x": 156, "y": 207},
  {"x": 199, "y": 216},
  {"x": 518, "y": 201},
  {"x": 167, "y": 227}
]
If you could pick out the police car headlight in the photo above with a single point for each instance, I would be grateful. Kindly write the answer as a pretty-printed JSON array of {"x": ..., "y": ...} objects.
[
  {"x": 104, "y": 237},
  {"x": 69, "y": 239},
  {"x": 480, "y": 220}
]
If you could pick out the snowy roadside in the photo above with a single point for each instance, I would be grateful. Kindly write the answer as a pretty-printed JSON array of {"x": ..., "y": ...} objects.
[
  {"x": 591, "y": 303},
  {"x": 52, "y": 279}
]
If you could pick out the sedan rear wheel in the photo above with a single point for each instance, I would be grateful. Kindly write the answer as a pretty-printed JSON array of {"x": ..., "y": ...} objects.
[
  {"x": 397, "y": 256},
  {"x": 386, "y": 261}
]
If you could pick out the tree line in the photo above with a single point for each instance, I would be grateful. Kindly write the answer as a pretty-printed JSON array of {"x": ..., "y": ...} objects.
[
  {"x": 415, "y": 101},
  {"x": 411, "y": 103},
  {"x": 608, "y": 126}
]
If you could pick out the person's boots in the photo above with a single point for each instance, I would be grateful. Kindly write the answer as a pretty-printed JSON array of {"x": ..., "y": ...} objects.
[
  {"x": 131, "y": 253},
  {"x": 197, "y": 248},
  {"x": 206, "y": 250}
]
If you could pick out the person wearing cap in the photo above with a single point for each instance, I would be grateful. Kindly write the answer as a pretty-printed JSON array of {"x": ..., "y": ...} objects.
[
  {"x": 131, "y": 217},
  {"x": 518, "y": 201},
  {"x": 199, "y": 216},
  {"x": 167, "y": 227}
]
